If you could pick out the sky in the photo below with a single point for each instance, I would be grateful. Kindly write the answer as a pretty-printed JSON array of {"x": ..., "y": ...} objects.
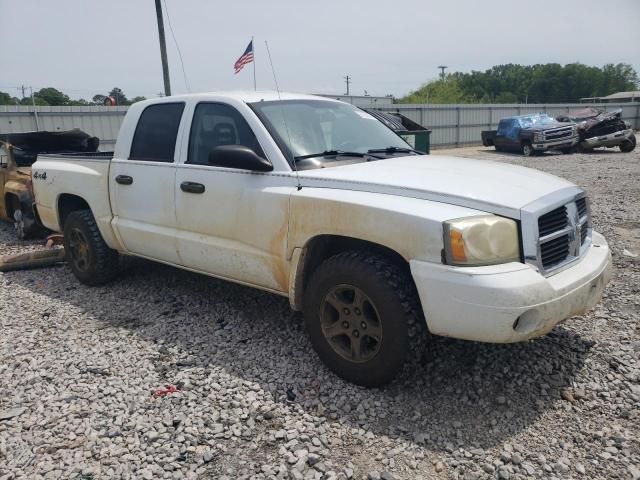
[{"x": 84, "y": 47}]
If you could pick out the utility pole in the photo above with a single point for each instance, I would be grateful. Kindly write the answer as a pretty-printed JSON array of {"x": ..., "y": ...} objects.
[
  {"x": 442, "y": 67},
  {"x": 348, "y": 80},
  {"x": 35, "y": 110},
  {"x": 163, "y": 50}
]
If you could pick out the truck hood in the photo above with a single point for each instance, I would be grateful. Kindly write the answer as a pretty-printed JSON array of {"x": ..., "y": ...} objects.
[
  {"x": 549, "y": 126},
  {"x": 484, "y": 185}
]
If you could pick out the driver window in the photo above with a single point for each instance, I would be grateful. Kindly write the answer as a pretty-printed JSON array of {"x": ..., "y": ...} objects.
[{"x": 215, "y": 125}]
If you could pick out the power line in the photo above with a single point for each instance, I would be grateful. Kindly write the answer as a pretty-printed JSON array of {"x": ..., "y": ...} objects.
[{"x": 184, "y": 73}]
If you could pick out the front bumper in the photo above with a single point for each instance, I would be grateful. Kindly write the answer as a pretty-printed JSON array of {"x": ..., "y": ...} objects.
[
  {"x": 610, "y": 140},
  {"x": 558, "y": 144},
  {"x": 510, "y": 302}
]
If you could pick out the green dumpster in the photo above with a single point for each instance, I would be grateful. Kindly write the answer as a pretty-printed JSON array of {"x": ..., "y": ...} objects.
[
  {"x": 418, "y": 139},
  {"x": 413, "y": 133}
]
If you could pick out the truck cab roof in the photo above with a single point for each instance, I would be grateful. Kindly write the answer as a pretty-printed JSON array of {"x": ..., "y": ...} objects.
[{"x": 246, "y": 96}]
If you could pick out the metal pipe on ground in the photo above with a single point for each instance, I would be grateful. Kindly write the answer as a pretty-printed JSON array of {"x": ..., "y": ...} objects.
[{"x": 35, "y": 259}]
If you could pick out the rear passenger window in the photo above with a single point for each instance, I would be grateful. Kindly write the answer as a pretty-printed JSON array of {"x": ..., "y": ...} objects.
[
  {"x": 156, "y": 133},
  {"x": 215, "y": 125}
]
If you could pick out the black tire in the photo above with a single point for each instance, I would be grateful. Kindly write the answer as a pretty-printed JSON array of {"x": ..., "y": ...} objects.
[
  {"x": 582, "y": 149},
  {"x": 24, "y": 221},
  {"x": 499, "y": 149},
  {"x": 392, "y": 301},
  {"x": 90, "y": 259},
  {"x": 527, "y": 149},
  {"x": 628, "y": 145}
]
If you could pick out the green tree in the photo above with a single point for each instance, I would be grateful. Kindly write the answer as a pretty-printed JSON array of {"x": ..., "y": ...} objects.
[
  {"x": 437, "y": 91},
  {"x": 137, "y": 99},
  {"x": 6, "y": 99},
  {"x": 98, "y": 99},
  {"x": 37, "y": 100},
  {"x": 52, "y": 96},
  {"x": 81, "y": 102},
  {"x": 540, "y": 83}
]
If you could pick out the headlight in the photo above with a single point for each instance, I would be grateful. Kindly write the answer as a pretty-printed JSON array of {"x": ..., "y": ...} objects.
[
  {"x": 481, "y": 240},
  {"x": 538, "y": 137}
]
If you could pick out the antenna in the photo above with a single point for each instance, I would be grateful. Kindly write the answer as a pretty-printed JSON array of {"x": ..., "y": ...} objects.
[{"x": 284, "y": 118}]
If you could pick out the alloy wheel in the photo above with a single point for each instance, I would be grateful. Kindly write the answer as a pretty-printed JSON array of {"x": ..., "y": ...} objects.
[{"x": 351, "y": 324}]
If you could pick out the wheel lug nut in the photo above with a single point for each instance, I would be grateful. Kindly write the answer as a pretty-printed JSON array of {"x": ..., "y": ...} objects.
[
  {"x": 357, "y": 310},
  {"x": 345, "y": 324},
  {"x": 363, "y": 325},
  {"x": 346, "y": 311},
  {"x": 356, "y": 333}
]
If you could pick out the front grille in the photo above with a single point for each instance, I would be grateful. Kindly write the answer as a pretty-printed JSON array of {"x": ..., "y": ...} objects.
[
  {"x": 553, "y": 221},
  {"x": 581, "y": 203},
  {"x": 558, "y": 133},
  {"x": 557, "y": 233},
  {"x": 554, "y": 251}
]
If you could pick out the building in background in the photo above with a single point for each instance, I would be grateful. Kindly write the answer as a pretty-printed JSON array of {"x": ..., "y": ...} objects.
[{"x": 617, "y": 97}]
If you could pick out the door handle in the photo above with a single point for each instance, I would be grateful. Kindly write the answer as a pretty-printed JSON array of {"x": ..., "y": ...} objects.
[
  {"x": 192, "y": 187},
  {"x": 124, "y": 179}
]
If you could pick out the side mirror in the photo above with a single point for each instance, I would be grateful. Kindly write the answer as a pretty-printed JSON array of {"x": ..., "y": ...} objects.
[{"x": 239, "y": 156}]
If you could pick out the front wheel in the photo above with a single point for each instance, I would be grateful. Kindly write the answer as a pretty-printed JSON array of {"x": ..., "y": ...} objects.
[
  {"x": 90, "y": 259},
  {"x": 527, "y": 150},
  {"x": 628, "y": 145},
  {"x": 358, "y": 308}
]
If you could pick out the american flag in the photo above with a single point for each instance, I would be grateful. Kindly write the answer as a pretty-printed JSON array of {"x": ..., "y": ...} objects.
[{"x": 246, "y": 57}]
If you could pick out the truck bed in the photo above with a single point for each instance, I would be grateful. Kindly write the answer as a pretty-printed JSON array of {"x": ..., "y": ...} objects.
[
  {"x": 487, "y": 137},
  {"x": 85, "y": 175}
]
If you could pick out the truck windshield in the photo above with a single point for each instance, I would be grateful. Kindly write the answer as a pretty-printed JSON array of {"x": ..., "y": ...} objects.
[
  {"x": 307, "y": 128},
  {"x": 536, "y": 120}
]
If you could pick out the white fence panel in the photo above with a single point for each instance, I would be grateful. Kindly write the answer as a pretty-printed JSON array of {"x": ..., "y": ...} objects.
[{"x": 450, "y": 124}]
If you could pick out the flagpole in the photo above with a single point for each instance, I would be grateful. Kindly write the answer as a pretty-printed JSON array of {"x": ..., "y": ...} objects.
[{"x": 253, "y": 46}]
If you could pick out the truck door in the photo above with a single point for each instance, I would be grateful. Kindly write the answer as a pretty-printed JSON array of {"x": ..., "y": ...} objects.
[
  {"x": 232, "y": 223},
  {"x": 141, "y": 187},
  {"x": 501, "y": 139}
]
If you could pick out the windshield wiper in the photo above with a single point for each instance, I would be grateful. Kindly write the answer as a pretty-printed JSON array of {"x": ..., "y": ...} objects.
[
  {"x": 393, "y": 150},
  {"x": 330, "y": 153}
]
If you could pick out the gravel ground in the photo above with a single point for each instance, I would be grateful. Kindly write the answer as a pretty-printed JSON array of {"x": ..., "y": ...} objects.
[{"x": 79, "y": 366}]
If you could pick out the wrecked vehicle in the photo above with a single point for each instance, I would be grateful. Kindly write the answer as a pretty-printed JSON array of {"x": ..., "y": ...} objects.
[
  {"x": 599, "y": 128},
  {"x": 532, "y": 134},
  {"x": 18, "y": 151},
  {"x": 316, "y": 200}
]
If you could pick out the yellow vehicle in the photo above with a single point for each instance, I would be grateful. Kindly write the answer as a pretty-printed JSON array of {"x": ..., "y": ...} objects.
[{"x": 18, "y": 151}]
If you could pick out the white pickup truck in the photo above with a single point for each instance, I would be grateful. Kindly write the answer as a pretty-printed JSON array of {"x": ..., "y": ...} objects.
[{"x": 316, "y": 200}]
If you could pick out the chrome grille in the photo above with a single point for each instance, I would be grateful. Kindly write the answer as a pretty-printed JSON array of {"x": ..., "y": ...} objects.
[
  {"x": 558, "y": 133},
  {"x": 556, "y": 230},
  {"x": 553, "y": 221},
  {"x": 554, "y": 251}
]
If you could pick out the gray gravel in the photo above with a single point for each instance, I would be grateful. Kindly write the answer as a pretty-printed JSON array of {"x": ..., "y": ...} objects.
[{"x": 79, "y": 367}]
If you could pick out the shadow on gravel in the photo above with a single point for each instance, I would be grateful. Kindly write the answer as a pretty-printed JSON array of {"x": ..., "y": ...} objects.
[{"x": 460, "y": 393}]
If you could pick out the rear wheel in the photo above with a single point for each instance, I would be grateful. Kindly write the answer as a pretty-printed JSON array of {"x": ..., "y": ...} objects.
[
  {"x": 90, "y": 259},
  {"x": 628, "y": 145},
  {"x": 358, "y": 309}
]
